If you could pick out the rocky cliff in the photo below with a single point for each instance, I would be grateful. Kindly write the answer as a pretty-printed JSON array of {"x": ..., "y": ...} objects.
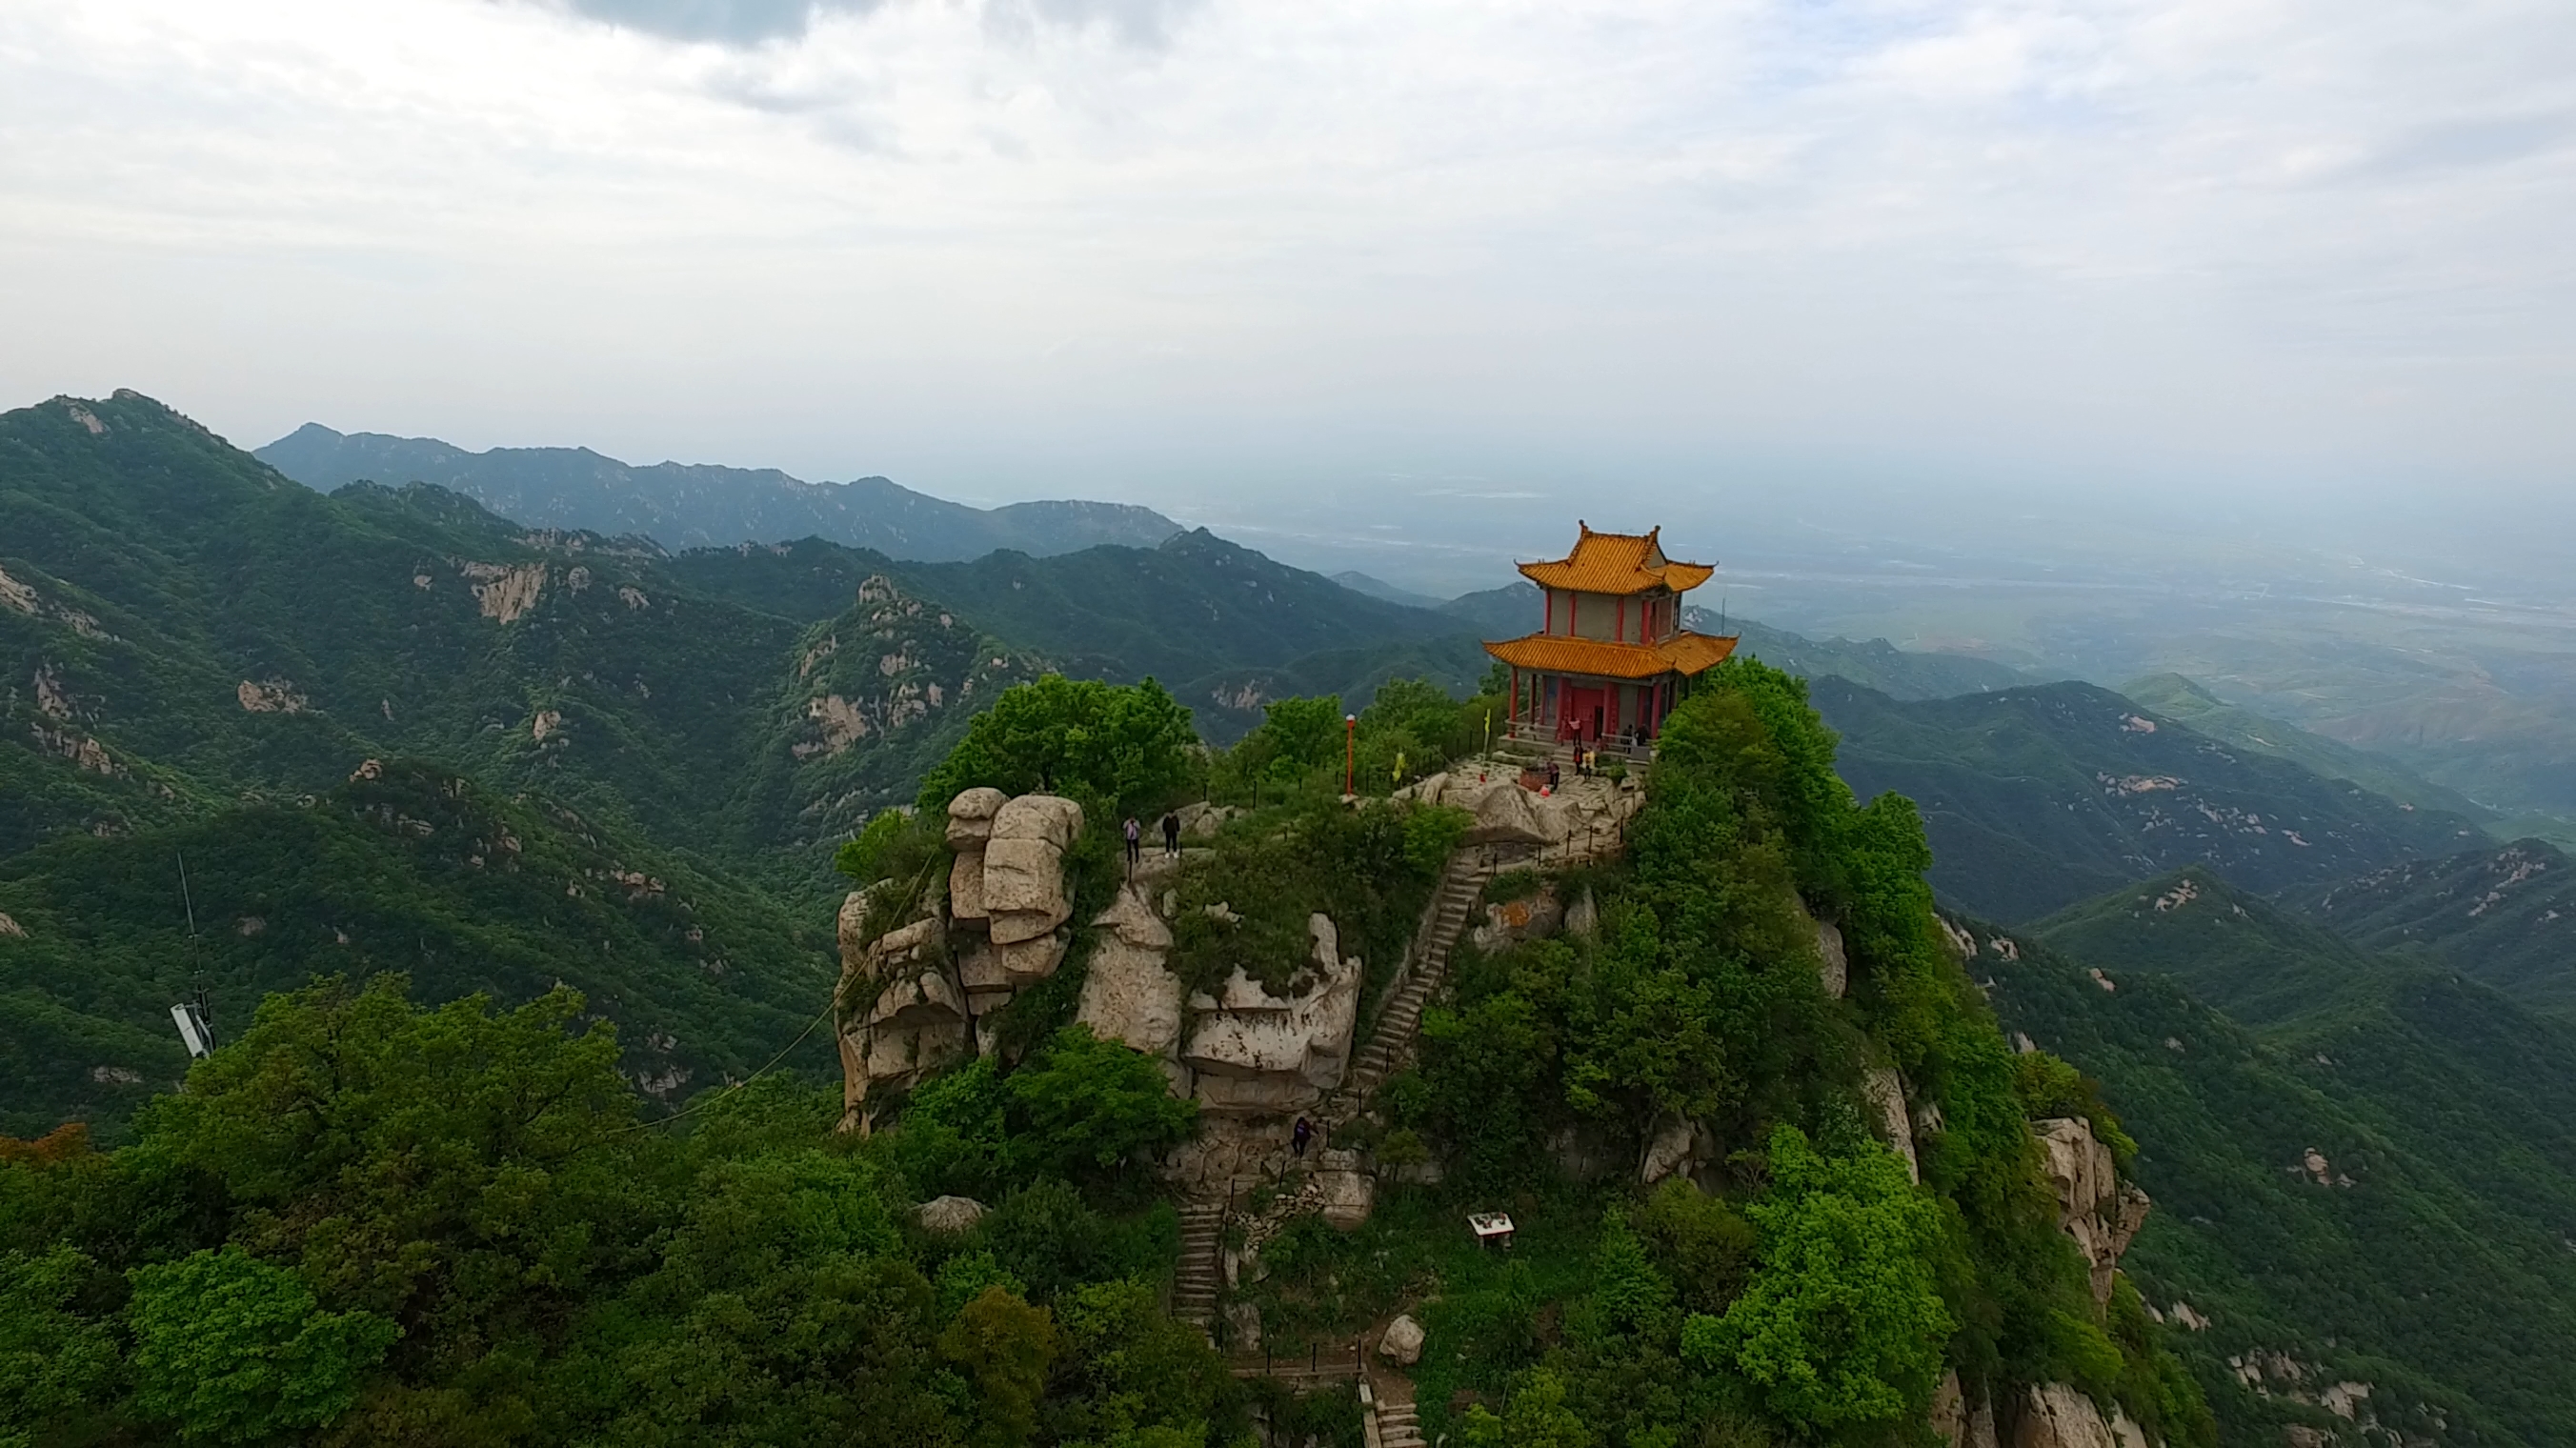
[{"x": 924, "y": 981}]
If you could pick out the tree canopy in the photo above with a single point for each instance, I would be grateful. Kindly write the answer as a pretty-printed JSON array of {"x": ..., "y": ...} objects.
[{"x": 1128, "y": 744}]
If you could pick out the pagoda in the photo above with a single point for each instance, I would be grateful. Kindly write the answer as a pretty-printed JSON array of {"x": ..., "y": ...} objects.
[{"x": 1611, "y": 657}]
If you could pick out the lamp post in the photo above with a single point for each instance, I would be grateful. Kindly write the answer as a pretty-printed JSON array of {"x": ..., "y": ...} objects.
[{"x": 1350, "y": 752}]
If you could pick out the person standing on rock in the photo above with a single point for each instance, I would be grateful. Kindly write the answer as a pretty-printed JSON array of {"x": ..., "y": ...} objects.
[
  {"x": 1298, "y": 1138},
  {"x": 1135, "y": 842},
  {"x": 1555, "y": 780},
  {"x": 1171, "y": 834}
]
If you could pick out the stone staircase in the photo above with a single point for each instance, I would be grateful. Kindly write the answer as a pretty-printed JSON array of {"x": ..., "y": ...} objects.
[
  {"x": 1396, "y": 1426},
  {"x": 1200, "y": 1278},
  {"x": 1390, "y": 1041},
  {"x": 1195, "y": 1285}
]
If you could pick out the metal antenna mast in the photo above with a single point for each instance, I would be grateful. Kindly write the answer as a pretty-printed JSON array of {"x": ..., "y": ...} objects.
[{"x": 195, "y": 1017}]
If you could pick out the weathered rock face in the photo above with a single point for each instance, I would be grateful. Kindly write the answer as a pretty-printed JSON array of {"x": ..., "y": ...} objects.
[
  {"x": 1677, "y": 1148},
  {"x": 929, "y": 991},
  {"x": 2057, "y": 1415},
  {"x": 1535, "y": 916},
  {"x": 2097, "y": 1209},
  {"x": 904, "y": 1011},
  {"x": 1886, "y": 1092},
  {"x": 1256, "y": 1053},
  {"x": 1007, "y": 896},
  {"x": 1129, "y": 994},
  {"x": 923, "y": 993},
  {"x": 1835, "y": 969},
  {"x": 1586, "y": 814}
]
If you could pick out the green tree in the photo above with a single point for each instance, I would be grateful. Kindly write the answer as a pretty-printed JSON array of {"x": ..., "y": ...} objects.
[
  {"x": 1132, "y": 1371},
  {"x": 1307, "y": 732},
  {"x": 1632, "y": 1296},
  {"x": 1084, "y": 1107},
  {"x": 1536, "y": 1417},
  {"x": 54, "y": 1362},
  {"x": 892, "y": 846},
  {"x": 233, "y": 1350},
  {"x": 1701, "y": 1244},
  {"x": 1005, "y": 1346},
  {"x": 1843, "y": 1323},
  {"x": 469, "y": 1175},
  {"x": 1127, "y": 744}
]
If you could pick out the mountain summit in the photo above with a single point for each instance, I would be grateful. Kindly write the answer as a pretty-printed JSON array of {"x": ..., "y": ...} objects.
[{"x": 683, "y": 505}]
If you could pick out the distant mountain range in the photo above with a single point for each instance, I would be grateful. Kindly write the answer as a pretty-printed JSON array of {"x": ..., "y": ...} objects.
[{"x": 685, "y": 505}]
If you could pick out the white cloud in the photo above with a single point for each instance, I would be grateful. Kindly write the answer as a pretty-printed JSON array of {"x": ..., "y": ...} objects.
[{"x": 1027, "y": 247}]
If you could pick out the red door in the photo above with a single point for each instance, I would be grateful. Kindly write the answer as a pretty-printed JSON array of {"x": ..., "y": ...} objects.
[{"x": 1586, "y": 713}]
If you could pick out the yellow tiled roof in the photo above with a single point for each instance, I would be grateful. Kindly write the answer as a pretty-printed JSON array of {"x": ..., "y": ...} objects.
[
  {"x": 1687, "y": 653},
  {"x": 1620, "y": 563}
]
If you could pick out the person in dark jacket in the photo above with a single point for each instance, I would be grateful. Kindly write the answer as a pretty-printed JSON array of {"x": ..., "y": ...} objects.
[
  {"x": 1297, "y": 1139},
  {"x": 1171, "y": 832}
]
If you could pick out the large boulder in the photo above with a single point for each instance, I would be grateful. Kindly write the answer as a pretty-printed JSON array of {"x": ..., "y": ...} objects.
[
  {"x": 1047, "y": 817},
  {"x": 1023, "y": 889},
  {"x": 1583, "y": 917},
  {"x": 2098, "y": 1210},
  {"x": 966, "y": 888},
  {"x": 970, "y": 817},
  {"x": 1501, "y": 813},
  {"x": 1401, "y": 1343},
  {"x": 1026, "y": 962},
  {"x": 1345, "y": 1189},
  {"x": 851, "y": 926},
  {"x": 1201, "y": 821},
  {"x": 951, "y": 1214}
]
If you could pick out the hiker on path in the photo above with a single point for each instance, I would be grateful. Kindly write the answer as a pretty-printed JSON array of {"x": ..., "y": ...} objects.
[
  {"x": 1135, "y": 842},
  {"x": 1555, "y": 778},
  {"x": 1304, "y": 1133},
  {"x": 1171, "y": 833}
]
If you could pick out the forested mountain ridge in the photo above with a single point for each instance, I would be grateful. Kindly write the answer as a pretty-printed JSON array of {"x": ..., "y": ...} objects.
[
  {"x": 2504, "y": 915},
  {"x": 2428, "y": 1228},
  {"x": 1224, "y": 627},
  {"x": 2042, "y": 795},
  {"x": 2347, "y": 1242},
  {"x": 404, "y": 868},
  {"x": 695, "y": 505},
  {"x": 2172, "y": 696},
  {"x": 255, "y": 636}
]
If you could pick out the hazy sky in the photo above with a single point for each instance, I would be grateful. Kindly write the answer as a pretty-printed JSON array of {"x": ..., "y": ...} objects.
[{"x": 1206, "y": 254}]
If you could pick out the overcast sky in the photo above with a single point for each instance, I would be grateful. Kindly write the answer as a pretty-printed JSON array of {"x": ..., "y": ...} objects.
[{"x": 1205, "y": 254}]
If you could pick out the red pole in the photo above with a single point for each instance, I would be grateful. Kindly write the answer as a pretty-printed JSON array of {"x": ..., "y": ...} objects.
[{"x": 1350, "y": 752}]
